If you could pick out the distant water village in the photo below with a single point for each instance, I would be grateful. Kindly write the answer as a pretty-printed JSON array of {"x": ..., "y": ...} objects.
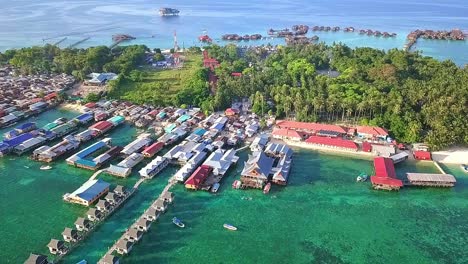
[{"x": 202, "y": 147}]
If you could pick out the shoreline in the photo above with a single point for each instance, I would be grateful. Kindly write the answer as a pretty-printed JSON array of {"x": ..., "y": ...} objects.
[
  {"x": 70, "y": 107},
  {"x": 455, "y": 155}
]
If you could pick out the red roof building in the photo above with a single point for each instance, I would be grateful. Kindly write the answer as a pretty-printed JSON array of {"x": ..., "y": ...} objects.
[
  {"x": 153, "y": 149},
  {"x": 332, "y": 142},
  {"x": 153, "y": 113},
  {"x": 236, "y": 74},
  {"x": 422, "y": 155},
  {"x": 50, "y": 96},
  {"x": 102, "y": 126},
  {"x": 198, "y": 177},
  {"x": 284, "y": 133},
  {"x": 309, "y": 127},
  {"x": 35, "y": 100},
  {"x": 210, "y": 63},
  {"x": 366, "y": 146},
  {"x": 90, "y": 105},
  {"x": 385, "y": 176},
  {"x": 231, "y": 112},
  {"x": 372, "y": 132}
]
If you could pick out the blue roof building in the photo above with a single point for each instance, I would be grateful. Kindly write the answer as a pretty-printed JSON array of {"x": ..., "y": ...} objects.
[{"x": 89, "y": 192}]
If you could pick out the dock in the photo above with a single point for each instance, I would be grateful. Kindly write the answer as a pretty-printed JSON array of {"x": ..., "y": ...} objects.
[
  {"x": 60, "y": 41},
  {"x": 430, "y": 180},
  {"x": 78, "y": 42}
]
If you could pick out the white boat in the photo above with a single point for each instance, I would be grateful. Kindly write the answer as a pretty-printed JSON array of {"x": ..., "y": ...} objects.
[
  {"x": 177, "y": 222},
  {"x": 464, "y": 167},
  {"x": 362, "y": 177},
  {"x": 46, "y": 167},
  {"x": 215, "y": 187},
  {"x": 230, "y": 227}
]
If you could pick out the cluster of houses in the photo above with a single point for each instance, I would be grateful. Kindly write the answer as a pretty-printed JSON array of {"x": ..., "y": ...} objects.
[{"x": 22, "y": 96}]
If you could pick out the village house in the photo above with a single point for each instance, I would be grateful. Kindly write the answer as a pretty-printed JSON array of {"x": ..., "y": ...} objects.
[
  {"x": 151, "y": 214},
  {"x": 109, "y": 259},
  {"x": 94, "y": 214},
  {"x": 143, "y": 224},
  {"x": 133, "y": 235},
  {"x": 36, "y": 259},
  {"x": 82, "y": 224},
  {"x": 257, "y": 170},
  {"x": 70, "y": 235},
  {"x": 123, "y": 247},
  {"x": 160, "y": 205},
  {"x": 57, "y": 247}
]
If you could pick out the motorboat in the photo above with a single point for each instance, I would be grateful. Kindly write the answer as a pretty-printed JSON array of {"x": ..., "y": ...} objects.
[
  {"x": 230, "y": 227},
  {"x": 215, "y": 187},
  {"x": 236, "y": 184},
  {"x": 464, "y": 167},
  {"x": 177, "y": 222},
  {"x": 267, "y": 188},
  {"x": 362, "y": 177},
  {"x": 45, "y": 167}
]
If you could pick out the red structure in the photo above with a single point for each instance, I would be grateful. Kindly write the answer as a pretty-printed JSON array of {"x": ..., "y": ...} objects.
[
  {"x": 332, "y": 142},
  {"x": 284, "y": 133},
  {"x": 231, "y": 112},
  {"x": 422, "y": 155},
  {"x": 371, "y": 131},
  {"x": 102, "y": 126},
  {"x": 236, "y": 74},
  {"x": 385, "y": 176},
  {"x": 153, "y": 149},
  {"x": 50, "y": 96},
  {"x": 90, "y": 105},
  {"x": 198, "y": 177},
  {"x": 366, "y": 146},
  {"x": 205, "y": 38},
  {"x": 309, "y": 127}
]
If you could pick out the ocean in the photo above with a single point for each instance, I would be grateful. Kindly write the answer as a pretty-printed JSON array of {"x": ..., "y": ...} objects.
[
  {"x": 322, "y": 216},
  {"x": 29, "y": 22}
]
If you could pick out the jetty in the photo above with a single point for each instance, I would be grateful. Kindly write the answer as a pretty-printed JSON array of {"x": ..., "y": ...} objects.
[
  {"x": 117, "y": 39},
  {"x": 454, "y": 34},
  {"x": 60, "y": 41},
  {"x": 78, "y": 42}
]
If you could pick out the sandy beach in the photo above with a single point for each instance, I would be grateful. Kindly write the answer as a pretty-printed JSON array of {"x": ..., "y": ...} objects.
[
  {"x": 456, "y": 155},
  {"x": 71, "y": 107}
]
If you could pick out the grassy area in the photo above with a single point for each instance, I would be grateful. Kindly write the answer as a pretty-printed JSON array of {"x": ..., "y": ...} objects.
[{"x": 129, "y": 89}]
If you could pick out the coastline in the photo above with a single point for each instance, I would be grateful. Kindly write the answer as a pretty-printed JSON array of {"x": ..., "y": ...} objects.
[
  {"x": 70, "y": 107},
  {"x": 456, "y": 155}
]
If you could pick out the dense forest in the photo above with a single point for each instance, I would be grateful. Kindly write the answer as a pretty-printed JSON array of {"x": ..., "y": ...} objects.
[{"x": 417, "y": 98}]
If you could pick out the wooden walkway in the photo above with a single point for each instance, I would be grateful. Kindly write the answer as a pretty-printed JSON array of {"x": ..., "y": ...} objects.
[
  {"x": 172, "y": 181},
  {"x": 78, "y": 42}
]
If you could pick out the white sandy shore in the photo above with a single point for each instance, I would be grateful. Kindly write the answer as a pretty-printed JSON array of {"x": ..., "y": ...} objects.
[
  {"x": 72, "y": 107},
  {"x": 451, "y": 156}
]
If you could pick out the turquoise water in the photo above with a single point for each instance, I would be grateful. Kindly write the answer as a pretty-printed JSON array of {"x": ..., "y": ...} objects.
[
  {"x": 35, "y": 22},
  {"x": 322, "y": 216}
]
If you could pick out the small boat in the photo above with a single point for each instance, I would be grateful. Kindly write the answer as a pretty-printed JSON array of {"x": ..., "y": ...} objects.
[
  {"x": 46, "y": 167},
  {"x": 230, "y": 227},
  {"x": 83, "y": 262},
  {"x": 267, "y": 188},
  {"x": 27, "y": 167},
  {"x": 215, "y": 187},
  {"x": 236, "y": 184},
  {"x": 464, "y": 167},
  {"x": 362, "y": 177},
  {"x": 177, "y": 222}
]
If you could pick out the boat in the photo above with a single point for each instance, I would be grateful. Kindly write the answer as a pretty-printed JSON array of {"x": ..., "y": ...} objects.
[
  {"x": 166, "y": 11},
  {"x": 236, "y": 184},
  {"x": 230, "y": 227},
  {"x": 177, "y": 222},
  {"x": 267, "y": 188},
  {"x": 60, "y": 121},
  {"x": 215, "y": 187},
  {"x": 362, "y": 177},
  {"x": 464, "y": 167},
  {"x": 122, "y": 37},
  {"x": 46, "y": 167}
]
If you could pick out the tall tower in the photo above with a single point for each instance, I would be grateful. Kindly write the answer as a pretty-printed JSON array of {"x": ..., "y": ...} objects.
[{"x": 176, "y": 45}]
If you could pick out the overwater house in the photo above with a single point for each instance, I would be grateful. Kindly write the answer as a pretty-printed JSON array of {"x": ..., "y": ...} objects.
[
  {"x": 251, "y": 128},
  {"x": 281, "y": 170},
  {"x": 116, "y": 120},
  {"x": 151, "y": 214},
  {"x": 57, "y": 247},
  {"x": 161, "y": 115},
  {"x": 16, "y": 141},
  {"x": 112, "y": 198},
  {"x": 160, "y": 205},
  {"x": 335, "y": 143},
  {"x": 109, "y": 259},
  {"x": 231, "y": 112},
  {"x": 70, "y": 235},
  {"x": 168, "y": 139},
  {"x": 150, "y": 151},
  {"x": 101, "y": 127},
  {"x": 29, "y": 144},
  {"x": 257, "y": 169},
  {"x": 422, "y": 155},
  {"x": 431, "y": 179},
  {"x": 385, "y": 176},
  {"x": 187, "y": 151},
  {"x": 4, "y": 149},
  {"x": 64, "y": 129},
  {"x": 154, "y": 167},
  {"x": 100, "y": 116},
  {"x": 86, "y": 135},
  {"x": 167, "y": 196},
  {"x": 137, "y": 145},
  {"x": 99, "y": 79},
  {"x": 397, "y": 158},
  {"x": 100, "y": 160},
  {"x": 124, "y": 168},
  {"x": 103, "y": 205},
  {"x": 371, "y": 132},
  {"x": 82, "y": 224},
  {"x": 288, "y": 134},
  {"x": 278, "y": 150},
  {"x": 310, "y": 128},
  {"x": 259, "y": 143},
  {"x": 89, "y": 192},
  {"x": 123, "y": 247},
  {"x": 133, "y": 235},
  {"x": 94, "y": 214},
  {"x": 21, "y": 129},
  {"x": 120, "y": 190},
  {"x": 183, "y": 118},
  {"x": 36, "y": 259},
  {"x": 198, "y": 177},
  {"x": 81, "y": 159},
  {"x": 187, "y": 169},
  {"x": 49, "y": 154},
  {"x": 84, "y": 118},
  {"x": 220, "y": 161},
  {"x": 143, "y": 224},
  {"x": 38, "y": 107}
]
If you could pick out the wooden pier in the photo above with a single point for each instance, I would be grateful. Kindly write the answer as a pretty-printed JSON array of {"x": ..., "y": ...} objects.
[
  {"x": 78, "y": 42},
  {"x": 60, "y": 41}
]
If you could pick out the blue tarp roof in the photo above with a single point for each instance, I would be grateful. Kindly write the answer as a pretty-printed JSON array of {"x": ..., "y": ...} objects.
[
  {"x": 11, "y": 133},
  {"x": 199, "y": 131},
  {"x": 169, "y": 128},
  {"x": 4, "y": 146},
  {"x": 94, "y": 190},
  {"x": 18, "y": 140},
  {"x": 85, "y": 162},
  {"x": 85, "y": 152},
  {"x": 218, "y": 126},
  {"x": 26, "y": 126},
  {"x": 85, "y": 117},
  {"x": 162, "y": 114}
]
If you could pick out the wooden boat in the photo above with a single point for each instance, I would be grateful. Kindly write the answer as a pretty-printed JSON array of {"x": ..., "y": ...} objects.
[
  {"x": 45, "y": 167},
  {"x": 177, "y": 222},
  {"x": 230, "y": 227},
  {"x": 267, "y": 188},
  {"x": 215, "y": 187},
  {"x": 236, "y": 184}
]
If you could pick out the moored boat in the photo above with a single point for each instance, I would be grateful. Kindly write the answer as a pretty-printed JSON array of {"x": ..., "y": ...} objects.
[
  {"x": 464, "y": 167},
  {"x": 362, "y": 177},
  {"x": 45, "y": 167},
  {"x": 230, "y": 227},
  {"x": 177, "y": 222},
  {"x": 267, "y": 188},
  {"x": 215, "y": 187},
  {"x": 236, "y": 184}
]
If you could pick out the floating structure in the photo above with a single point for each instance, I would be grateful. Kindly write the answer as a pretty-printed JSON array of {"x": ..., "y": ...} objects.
[
  {"x": 220, "y": 161},
  {"x": 385, "y": 176},
  {"x": 430, "y": 179},
  {"x": 124, "y": 168},
  {"x": 83, "y": 159},
  {"x": 154, "y": 167},
  {"x": 166, "y": 11},
  {"x": 21, "y": 129},
  {"x": 138, "y": 144},
  {"x": 29, "y": 145},
  {"x": 183, "y": 173},
  {"x": 49, "y": 154},
  {"x": 198, "y": 177},
  {"x": 152, "y": 150},
  {"x": 88, "y": 193}
]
